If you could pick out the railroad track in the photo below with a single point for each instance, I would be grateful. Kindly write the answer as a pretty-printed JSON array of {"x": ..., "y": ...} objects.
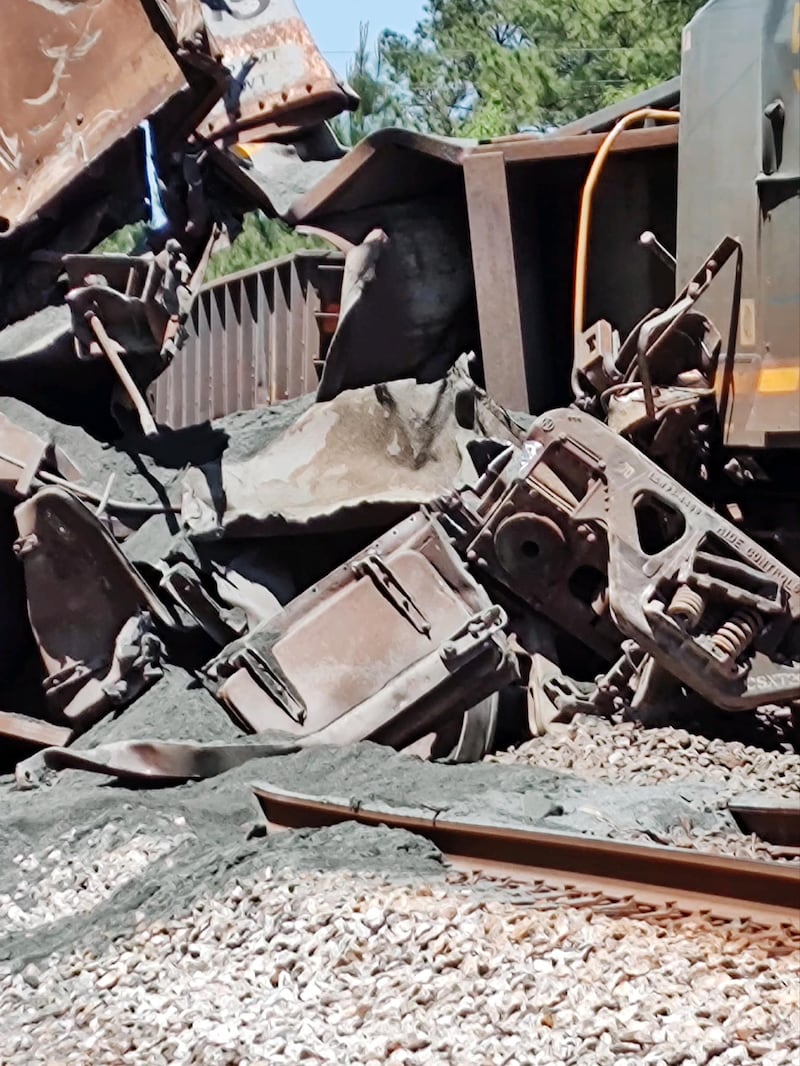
[{"x": 651, "y": 876}]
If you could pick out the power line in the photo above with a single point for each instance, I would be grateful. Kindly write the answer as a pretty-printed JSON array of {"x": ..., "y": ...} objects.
[{"x": 531, "y": 47}]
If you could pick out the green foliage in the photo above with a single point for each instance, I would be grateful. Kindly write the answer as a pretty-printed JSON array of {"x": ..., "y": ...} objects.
[
  {"x": 488, "y": 67},
  {"x": 260, "y": 240},
  {"x": 130, "y": 240},
  {"x": 375, "y": 110}
]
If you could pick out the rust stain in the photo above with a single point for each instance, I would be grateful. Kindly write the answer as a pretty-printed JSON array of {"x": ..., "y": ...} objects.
[
  {"x": 275, "y": 68},
  {"x": 59, "y": 110}
]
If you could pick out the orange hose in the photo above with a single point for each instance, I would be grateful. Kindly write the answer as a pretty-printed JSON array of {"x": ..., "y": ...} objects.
[{"x": 584, "y": 218}]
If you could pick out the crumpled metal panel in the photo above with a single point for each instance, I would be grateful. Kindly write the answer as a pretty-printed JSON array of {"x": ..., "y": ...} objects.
[
  {"x": 75, "y": 572},
  {"x": 369, "y": 456},
  {"x": 72, "y": 85},
  {"x": 153, "y": 761},
  {"x": 277, "y": 72},
  {"x": 385, "y": 648}
]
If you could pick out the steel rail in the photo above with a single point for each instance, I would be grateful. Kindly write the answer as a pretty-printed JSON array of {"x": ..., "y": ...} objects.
[{"x": 694, "y": 881}]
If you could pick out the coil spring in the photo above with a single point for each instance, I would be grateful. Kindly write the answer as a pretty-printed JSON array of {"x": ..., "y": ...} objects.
[
  {"x": 737, "y": 633},
  {"x": 687, "y": 604}
]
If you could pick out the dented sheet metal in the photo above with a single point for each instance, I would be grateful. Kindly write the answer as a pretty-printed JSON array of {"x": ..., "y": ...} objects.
[
  {"x": 277, "y": 73},
  {"x": 385, "y": 648},
  {"x": 158, "y": 761},
  {"x": 74, "y": 572},
  {"x": 368, "y": 457},
  {"x": 59, "y": 108}
]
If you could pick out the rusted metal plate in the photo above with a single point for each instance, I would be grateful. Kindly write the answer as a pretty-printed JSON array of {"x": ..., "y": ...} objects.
[
  {"x": 23, "y": 455},
  {"x": 388, "y": 165},
  {"x": 74, "y": 571},
  {"x": 32, "y": 731},
  {"x": 777, "y": 822},
  {"x": 277, "y": 71},
  {"x": 422, "y": 644},
  {"x": 72, "y": 85},
  {"x": 384, "y": 451},
  {"x": 539, "y": 149},
  {"x": 393, "y": 164}
]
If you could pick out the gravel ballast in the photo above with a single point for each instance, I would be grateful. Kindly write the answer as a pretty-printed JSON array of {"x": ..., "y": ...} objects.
[
  {"x": 287, "y": 967},
  {"x": 623, "y": 752}
]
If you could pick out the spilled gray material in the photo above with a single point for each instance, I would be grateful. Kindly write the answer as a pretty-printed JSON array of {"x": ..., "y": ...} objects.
[
  {"x": 385, "y": 450},
  {"x": 552, "y": 800},
  {"x": 176, "y": 708},
  {"x": 280, "y": 174},
  {"x": 39, "y": 331},
  {"x": 138, "y": 478},
  {"x": 211, "y": 827},
  {"x": 241, "y": 436}
]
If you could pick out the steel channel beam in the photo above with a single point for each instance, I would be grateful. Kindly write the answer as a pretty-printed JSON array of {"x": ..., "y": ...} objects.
[{"x": 495, "y": 273}]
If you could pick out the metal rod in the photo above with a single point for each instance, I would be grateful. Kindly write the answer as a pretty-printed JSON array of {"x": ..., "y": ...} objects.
[
  {"x": 106, "y": 494},
  {"x": 649, "y": 240},
  {"x": 146, "y": 420},
  {"x": 584, "y": 218},
  {"x": 89, "y": 494}
]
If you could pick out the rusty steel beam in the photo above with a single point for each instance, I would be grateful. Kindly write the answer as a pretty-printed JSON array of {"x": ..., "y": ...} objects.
[
  {"x": 492, "y": 239},
  {"x": 27, "y": 730},
  {"x": 695, "y": 881},
  {"x": 538, "y": 149}
]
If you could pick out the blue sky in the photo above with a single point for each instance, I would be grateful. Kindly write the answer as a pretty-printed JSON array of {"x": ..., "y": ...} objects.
[{"x": 334, "y": 23}]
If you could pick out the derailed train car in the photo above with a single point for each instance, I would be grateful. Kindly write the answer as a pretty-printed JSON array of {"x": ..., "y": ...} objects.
[
  {"x": 632, "y": 281},
  {"x": 653, "y": 526}
]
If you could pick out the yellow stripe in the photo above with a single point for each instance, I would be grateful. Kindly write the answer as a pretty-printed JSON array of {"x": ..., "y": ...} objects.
[
  {"x": 779, "y": 379},
  {"x": 247, "y": 151}
]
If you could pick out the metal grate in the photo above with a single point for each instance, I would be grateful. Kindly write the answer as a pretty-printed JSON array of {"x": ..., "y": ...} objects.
[{"x": 254, "y": 338}]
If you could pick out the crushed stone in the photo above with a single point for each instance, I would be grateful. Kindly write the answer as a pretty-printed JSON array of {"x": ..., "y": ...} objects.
[
  {"x": 282, "y": 966},
  {"x": 622, "y": 752}
]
